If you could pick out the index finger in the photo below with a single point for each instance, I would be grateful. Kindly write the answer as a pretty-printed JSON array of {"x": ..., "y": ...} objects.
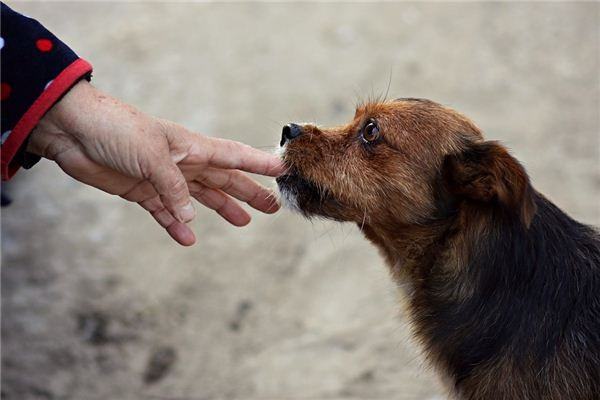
[{"x": 229, "y": 154}]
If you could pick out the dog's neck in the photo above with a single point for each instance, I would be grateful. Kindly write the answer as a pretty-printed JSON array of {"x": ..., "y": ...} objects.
[
  {"x": 411, "y": 250},
  {"x": 430, "y": 261},
  {"x": 446, "y": 244}
]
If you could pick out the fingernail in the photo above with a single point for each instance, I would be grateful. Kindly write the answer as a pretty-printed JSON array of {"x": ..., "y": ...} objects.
[{"x": 187, "y": 213}]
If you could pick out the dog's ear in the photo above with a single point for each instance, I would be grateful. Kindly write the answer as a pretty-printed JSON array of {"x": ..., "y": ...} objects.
[{"x": 485, "y": 172}]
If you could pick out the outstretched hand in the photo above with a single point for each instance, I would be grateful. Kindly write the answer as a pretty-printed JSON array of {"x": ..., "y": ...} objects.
[{"x": 158, "y": 164}]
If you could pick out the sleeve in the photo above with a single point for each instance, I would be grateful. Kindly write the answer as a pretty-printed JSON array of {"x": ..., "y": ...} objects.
[{"x": 37, "y": 69}]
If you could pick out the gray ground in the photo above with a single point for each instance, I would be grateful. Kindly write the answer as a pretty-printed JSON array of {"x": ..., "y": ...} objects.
[{"x": 98, "y": 303}]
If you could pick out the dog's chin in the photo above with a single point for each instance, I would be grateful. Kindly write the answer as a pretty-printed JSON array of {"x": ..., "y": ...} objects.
[
  {"x": 301, "y": 195},
  {"x": 296, "y": 192},
  {"x": 288, "y": 193}
]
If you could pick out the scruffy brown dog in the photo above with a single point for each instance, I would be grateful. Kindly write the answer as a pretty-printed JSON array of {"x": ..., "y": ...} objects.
[{"x": 504, "y": 288}]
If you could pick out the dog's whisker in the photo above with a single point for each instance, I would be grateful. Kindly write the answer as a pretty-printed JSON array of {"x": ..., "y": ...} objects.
[
  {"x": 387, "y": 90},
  {"x": 362, "y": 225}
]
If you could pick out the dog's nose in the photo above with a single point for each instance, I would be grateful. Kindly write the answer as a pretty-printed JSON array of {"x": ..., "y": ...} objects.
[{"x": 290, "y": 132}]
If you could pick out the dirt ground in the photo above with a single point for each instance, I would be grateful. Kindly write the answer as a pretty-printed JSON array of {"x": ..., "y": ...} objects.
[{"x": 98, "y": 303}]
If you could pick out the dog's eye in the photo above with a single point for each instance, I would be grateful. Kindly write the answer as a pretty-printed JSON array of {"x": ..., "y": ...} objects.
[{"x": 370, "y": 132}]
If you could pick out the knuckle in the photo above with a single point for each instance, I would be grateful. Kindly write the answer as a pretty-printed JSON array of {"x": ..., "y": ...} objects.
[
  {"x": 229, "y": 183},
  {"x": 257, "y": 197},
  {"x": 170, "y": 183},
  {"x": 200, "y": 191},
  {"x": 177, "y": 187}
]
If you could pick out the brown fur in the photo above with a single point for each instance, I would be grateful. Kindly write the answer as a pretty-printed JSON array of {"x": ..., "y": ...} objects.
[{"x": 457, "y": 219}]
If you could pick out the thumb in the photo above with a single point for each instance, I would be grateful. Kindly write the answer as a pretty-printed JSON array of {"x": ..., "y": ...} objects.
[{"x": 171, "y": 186}]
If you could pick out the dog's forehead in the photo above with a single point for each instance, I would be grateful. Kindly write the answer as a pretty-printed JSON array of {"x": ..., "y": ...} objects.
[{"x": 374, "y": 109}]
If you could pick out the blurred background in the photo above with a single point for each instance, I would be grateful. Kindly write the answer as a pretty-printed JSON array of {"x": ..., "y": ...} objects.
[{"x": 99, "y": 303}]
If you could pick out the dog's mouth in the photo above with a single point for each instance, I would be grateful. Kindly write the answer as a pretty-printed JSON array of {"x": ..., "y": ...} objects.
[
  {"x": 301, "y": 194},
  {"x": 297, "y": 192}
]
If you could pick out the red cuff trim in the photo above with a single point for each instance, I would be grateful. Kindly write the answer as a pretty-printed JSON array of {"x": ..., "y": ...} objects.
[{"x": 59, "y": 86}]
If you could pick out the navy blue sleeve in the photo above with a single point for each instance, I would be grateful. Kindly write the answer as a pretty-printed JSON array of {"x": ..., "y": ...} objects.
[{"x": 37, "y": 69}]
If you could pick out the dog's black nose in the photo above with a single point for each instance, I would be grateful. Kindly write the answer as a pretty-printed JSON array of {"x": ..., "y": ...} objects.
[{"x": 289, "y": 132}]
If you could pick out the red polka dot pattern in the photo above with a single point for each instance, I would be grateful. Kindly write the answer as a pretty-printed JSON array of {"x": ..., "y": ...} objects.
[
  {"x": 5, "y": 91},
  {"x": 44, "y": 45}
]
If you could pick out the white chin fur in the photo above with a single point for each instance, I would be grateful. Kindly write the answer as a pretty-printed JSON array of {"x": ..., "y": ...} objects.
[
  {"x": 286, "y": 196},
  {"x": 288, "y": 199},
  {"x": 280, "y": 151}
]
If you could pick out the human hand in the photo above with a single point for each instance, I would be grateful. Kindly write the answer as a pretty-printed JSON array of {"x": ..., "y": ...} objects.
[{"x": 158, "y": 164}]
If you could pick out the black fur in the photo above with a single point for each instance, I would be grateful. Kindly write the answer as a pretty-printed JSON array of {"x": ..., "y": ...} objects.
[{"x": 535, "y": 292}]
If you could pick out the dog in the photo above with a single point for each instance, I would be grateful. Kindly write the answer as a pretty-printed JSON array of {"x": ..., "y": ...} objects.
[{"x": 503, "y": 287}]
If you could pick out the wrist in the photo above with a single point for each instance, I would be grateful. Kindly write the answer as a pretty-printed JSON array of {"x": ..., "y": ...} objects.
[{"x": 57, "y": 124}]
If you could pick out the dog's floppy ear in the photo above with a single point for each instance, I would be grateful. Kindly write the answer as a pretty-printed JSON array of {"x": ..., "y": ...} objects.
[{"x": 485, "y": 172}]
